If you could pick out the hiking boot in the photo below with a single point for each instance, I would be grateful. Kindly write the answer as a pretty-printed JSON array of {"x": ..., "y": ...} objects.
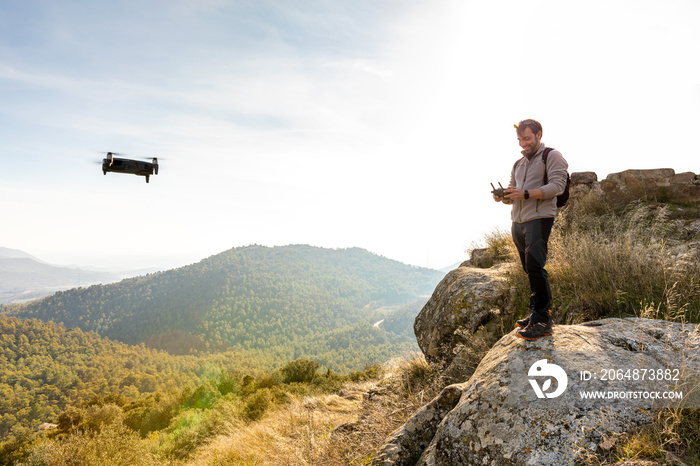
[
  {"x": 534, "y": 331},
  {"x": 522, "y": 323}
]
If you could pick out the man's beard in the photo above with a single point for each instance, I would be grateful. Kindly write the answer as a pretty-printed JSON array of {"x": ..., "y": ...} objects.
[{"x": 532, "y": 149}]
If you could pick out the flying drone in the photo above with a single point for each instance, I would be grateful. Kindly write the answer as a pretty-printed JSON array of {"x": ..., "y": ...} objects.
[{"x": 136, "y": 167}]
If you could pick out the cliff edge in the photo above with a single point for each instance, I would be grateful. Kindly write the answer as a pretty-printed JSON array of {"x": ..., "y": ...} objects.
[{"x": 499, "y": 406}]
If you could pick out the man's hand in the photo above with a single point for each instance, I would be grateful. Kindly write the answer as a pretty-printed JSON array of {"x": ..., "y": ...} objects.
[
  {"x": 514, "y": 194},
  {"x": 498, "y": 193},
  {"x": 504, "y": 199}
]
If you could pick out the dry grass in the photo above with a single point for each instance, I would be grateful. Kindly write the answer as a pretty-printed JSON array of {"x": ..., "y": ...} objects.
[
  {"x": 643, "y": 260},
  {"x": 287, "y": 435},
  {"x": 499, "y": 245},
  {"x": 339, "y": 429},
  {"x": 113, "y": 444},
  {"x": 672, "y": 439}
]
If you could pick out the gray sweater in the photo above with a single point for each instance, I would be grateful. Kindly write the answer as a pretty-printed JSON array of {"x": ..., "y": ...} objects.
[{"x": 529, "y": 174}]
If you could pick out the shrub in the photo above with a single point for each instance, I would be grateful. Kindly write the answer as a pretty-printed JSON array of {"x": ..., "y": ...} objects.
[
  {"x": 257, "y": 404},
  {"x": 184, "y": 433},
  {"x": 229, "y": 383},
  {"x": 301, "y": 370},
  {"x": 370, "y": 371},
  {"x": 96, "y": 417},
  {"x": 152, "y": 414},
  {"x": 71, "y": 418},
  {"x": 194, "y": 427},
  {"x": 113, "y": 444},
  {"x": 415, "y": 374},
  {"x": 204, "y": 396}
]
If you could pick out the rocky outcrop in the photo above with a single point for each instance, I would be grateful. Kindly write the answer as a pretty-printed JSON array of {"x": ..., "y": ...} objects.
[
  {"x": 510, "y": 405},
  {"x": 661, "y": 184},
  {"x": 499, "y": 420},
  {"x": 464, "y": 300}
]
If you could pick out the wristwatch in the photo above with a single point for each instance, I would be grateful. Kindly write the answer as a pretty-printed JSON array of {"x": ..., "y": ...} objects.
[{"x": 527, "y": 194}]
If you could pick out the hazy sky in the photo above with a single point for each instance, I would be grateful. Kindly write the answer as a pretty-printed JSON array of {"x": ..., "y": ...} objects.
[{"x": 368, "y": 123}]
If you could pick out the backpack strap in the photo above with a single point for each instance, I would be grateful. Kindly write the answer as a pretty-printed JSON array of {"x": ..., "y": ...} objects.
[
  {"x": 516, "y": 164},
  {"x": 547, "y": 150}
]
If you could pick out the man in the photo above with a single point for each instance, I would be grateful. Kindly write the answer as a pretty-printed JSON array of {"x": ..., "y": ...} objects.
[{"x": 534, "y": 207}]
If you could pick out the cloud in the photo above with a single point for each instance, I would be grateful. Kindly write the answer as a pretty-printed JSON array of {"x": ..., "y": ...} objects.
[{"x": 335, "y": 123}]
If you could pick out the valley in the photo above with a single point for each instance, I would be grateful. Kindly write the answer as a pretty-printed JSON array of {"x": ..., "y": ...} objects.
[{"x": 230, "y": 320}]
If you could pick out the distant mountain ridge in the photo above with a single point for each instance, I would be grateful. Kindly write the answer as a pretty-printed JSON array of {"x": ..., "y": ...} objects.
[
  {"x": 276, "y": 303},
  {"x": 8, "y": 253},
  {"x": 24, "y": 277}
]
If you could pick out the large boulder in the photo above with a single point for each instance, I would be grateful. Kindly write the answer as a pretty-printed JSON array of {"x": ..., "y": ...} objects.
[
  {"x": 499, "y": 418},
  {"x": 463, "y": 301}
]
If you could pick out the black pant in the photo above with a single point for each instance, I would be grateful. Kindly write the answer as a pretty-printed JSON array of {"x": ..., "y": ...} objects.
[{"x": 530, "y": 239}]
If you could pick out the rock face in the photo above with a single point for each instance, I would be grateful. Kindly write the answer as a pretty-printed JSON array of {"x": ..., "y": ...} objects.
[
  {"x": 406, "y": 445},
  {"x": 661, "y": 184},
  {"x": 499, "y": 420},
  {"x": 464, "y": 300}
]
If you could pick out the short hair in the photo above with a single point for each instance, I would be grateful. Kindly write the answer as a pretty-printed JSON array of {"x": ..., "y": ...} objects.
[{"x": 534, "y": 126}]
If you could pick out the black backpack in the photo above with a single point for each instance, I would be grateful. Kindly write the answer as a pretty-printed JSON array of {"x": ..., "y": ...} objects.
[{"x": 563, "y": 198}]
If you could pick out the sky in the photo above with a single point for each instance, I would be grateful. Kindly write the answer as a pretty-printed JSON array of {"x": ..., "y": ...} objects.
[{"x": 350, "y": 123}]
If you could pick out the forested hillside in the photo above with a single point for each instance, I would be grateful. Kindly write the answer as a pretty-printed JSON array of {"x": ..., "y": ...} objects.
[
  {"x": 45, "y": 368},
  {"x": 272, "y": 304},
  {"x": 69, "y": 397}
]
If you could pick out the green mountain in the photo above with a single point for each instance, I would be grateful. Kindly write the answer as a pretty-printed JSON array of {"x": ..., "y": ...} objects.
[{"x": 272, "y": 304}]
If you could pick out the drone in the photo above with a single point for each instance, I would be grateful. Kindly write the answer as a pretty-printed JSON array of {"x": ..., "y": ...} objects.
[{"x": 136, "y": 167}]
